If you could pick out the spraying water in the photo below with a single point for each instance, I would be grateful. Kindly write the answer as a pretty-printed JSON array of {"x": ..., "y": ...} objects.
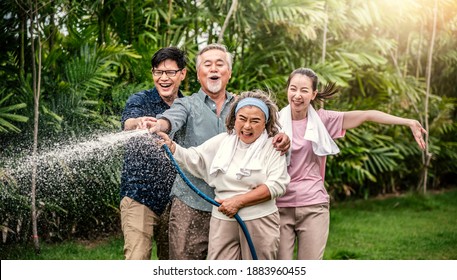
[
  {"x": 100, "y": 148},
  {"x": 76, "y": 183}
]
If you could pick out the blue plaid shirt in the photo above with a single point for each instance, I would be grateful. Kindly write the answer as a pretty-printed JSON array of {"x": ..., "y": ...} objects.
[{"x": 147, "y": 175}]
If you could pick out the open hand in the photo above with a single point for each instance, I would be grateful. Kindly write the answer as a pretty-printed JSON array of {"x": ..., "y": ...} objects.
[{"x": 418, "y": 132}]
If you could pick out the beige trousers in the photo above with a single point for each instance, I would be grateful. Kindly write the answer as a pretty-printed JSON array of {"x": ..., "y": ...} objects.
[
  {"x": 228, "y": 242},
  {"x": 309, "y": 227},
  {"x": 139, "y": 225}
]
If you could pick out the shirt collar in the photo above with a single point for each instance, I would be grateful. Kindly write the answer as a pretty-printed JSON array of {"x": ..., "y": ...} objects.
[
  {"x": 156, "y": 96},
  {"x": 201, "y": 94}
]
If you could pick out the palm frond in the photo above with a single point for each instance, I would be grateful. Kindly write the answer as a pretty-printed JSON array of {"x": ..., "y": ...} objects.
[{"x": 8, "y": 115}]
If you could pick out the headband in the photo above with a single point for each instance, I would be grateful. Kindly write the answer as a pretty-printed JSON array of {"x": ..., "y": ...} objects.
[{"x": 251, "y": 101}]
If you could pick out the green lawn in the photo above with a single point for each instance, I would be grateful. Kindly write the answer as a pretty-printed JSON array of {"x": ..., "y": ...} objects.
[{"x": 410, "y": 227}]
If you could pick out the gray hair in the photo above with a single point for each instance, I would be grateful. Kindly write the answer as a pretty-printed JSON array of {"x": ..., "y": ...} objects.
[
  {"x": 215, "y": 46},
  {"x": 272, "y": 125}
]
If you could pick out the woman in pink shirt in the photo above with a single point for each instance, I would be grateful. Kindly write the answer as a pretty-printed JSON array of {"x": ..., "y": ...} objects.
[{"x": 304, "y": 209}]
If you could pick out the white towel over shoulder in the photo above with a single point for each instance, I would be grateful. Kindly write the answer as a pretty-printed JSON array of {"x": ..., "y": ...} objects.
[
  {"x": 316, "y": 131},
  {"x": 226, "y": 151}
]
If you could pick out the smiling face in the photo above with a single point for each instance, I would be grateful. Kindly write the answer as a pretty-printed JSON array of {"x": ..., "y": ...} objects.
[
  {"x": 300, "y": 94},
  {"x": 168, "y": 86},
  {"x": 249, "y": 123},
  {"x": 213, "y": 71}
]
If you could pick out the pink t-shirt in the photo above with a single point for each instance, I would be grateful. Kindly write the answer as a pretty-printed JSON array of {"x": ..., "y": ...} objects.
[{"x": 306, "y": 169}]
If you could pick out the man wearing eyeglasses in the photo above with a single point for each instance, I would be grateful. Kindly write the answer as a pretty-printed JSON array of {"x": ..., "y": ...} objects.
[
  {"x": 147, "y": 177},
  {"x": 202, "y": 116}
]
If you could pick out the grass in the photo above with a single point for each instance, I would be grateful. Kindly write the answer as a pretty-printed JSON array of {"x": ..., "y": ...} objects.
[
  {"x": 103, "y": 249},
  {"x": 409, "y": 227}
]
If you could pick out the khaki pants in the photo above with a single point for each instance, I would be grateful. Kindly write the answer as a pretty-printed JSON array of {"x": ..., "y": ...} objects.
[
  {"x": 228, "y": 242},
  {"x": 139, "y": 225},
  {"x": 188, "y": 232},
  {"x": 309, "y": 225}
]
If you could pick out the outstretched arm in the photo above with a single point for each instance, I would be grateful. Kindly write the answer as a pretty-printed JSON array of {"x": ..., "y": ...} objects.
[
  {"x": 353, "y": 119},
  {"x": 160, "y": 125},
  {"x": 138, "y": 123}
]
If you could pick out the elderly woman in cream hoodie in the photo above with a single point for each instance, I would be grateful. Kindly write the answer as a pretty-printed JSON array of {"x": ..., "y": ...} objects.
[{"x": 248, "y": 174}]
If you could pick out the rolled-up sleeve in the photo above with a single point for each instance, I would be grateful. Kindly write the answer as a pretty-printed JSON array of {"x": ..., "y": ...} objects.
[
  {"x": 176, "y": 115},
  {"x": 277, "y": 177},
  {"x": 133, "y": 109}
]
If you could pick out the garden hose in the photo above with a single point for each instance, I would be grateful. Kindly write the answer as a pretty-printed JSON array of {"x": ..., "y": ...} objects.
[{"x": 212, "y": 201}]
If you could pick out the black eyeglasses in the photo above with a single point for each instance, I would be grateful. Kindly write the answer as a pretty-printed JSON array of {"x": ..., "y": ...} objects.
[{"x": 169, "y": 73}]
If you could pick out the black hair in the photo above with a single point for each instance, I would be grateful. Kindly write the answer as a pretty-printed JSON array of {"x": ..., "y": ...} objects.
[
  {"x": 172, "y": 53},
  {"x": 329, "y": 90}
]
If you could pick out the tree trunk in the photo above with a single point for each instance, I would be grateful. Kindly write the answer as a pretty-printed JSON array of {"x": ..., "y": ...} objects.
[
  {"x": 169, "y": 16},
  {"x": 23, "y": 40},
  {"x": 196, "y": 24},
  {"x": 132, "y": 22},
  {"x": 101, "y": 23},
  {"x": 53, "y": 28},
  {"x": 428, "y": 155},
  {"x": 324, "y": 36},
  {"x": 324, "y": 45},
  {"x": 170, "y": 11},
  {"x": 419, "y": 53},
  {"x": 36, "y": 74},
  {"x": 227, "y": 19}
]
